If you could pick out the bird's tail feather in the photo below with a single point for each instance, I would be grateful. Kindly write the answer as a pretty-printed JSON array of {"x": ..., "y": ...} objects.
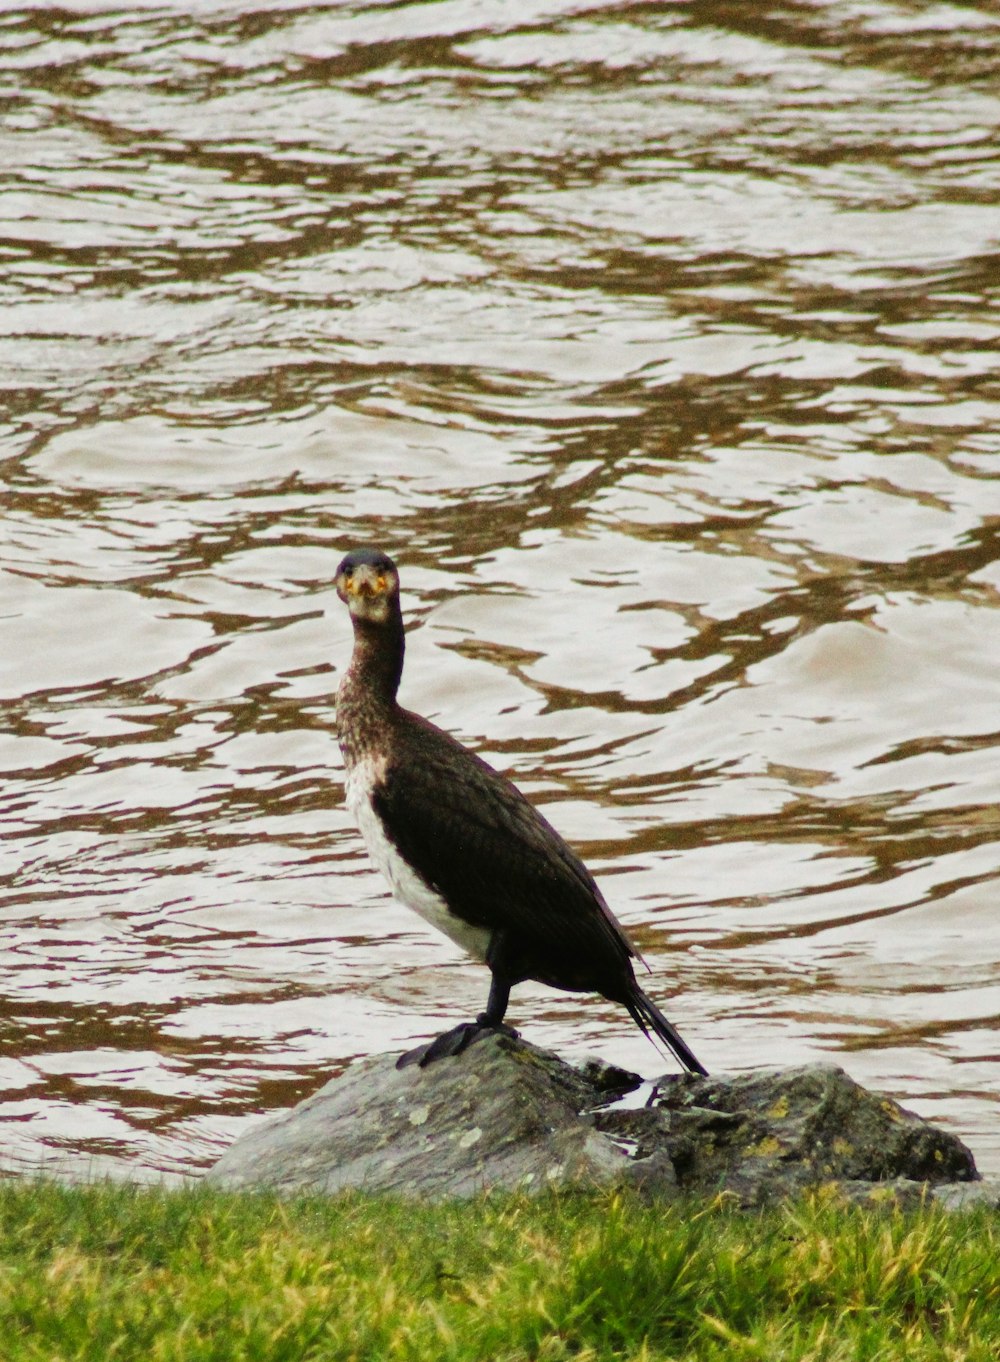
[{"x": 649, "y": 1017}]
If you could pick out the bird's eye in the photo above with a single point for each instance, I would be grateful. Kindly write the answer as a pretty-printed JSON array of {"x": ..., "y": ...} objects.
[{"x": 380, "y": 583}]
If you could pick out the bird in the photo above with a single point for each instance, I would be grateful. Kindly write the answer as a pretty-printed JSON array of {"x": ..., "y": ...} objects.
[{"x": 462, "y": 846}]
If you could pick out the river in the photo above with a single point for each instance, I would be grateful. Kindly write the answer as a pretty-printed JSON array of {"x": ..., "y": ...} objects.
[{"x": 658, "y": 343}]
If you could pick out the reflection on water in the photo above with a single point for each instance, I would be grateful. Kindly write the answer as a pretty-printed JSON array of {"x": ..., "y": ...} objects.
[{"x": 659, "y": 345}]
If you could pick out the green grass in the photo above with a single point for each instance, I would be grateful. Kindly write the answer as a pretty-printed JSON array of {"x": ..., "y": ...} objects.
[{"x": 109, "y": 1273}]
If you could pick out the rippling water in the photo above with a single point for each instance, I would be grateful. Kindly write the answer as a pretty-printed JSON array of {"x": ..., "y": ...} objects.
[{"x": 659, "y": 344}]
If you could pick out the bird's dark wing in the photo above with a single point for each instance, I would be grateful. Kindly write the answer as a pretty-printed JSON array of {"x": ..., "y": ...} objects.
[{"x": 497, "y": 862}]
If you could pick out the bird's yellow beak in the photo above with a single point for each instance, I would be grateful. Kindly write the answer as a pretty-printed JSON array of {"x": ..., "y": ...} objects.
[{"x": 366, "y": 581}]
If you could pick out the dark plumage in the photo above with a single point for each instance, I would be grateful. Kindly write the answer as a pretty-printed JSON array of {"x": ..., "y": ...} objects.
[{"x": 461, "y": 845}]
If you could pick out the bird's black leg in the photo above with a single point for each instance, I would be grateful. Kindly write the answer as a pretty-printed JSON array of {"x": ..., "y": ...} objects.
[
  {"x": 456, "y": 1040},
  {"x": 496, "y": 1005}
]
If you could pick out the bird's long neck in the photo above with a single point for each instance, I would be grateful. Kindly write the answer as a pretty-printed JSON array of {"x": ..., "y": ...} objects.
[{"x": 366, "y": 700}]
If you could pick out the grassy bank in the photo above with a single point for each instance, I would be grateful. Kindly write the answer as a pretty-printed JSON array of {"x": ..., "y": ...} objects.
[{"x": 111, "y": 1273}]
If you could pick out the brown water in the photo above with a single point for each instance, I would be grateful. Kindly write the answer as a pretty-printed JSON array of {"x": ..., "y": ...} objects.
[{"x": 659, "y": 343}]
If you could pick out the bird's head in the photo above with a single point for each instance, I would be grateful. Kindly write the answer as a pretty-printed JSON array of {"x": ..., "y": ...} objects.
[{"x": 368, "y": 584}]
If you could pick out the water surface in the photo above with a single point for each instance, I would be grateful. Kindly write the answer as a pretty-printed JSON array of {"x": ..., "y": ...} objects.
[{"x": 658, "y": 342}]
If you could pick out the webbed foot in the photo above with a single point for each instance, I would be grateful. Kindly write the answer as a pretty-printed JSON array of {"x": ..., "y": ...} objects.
[{"x": 452, "y": 1042}]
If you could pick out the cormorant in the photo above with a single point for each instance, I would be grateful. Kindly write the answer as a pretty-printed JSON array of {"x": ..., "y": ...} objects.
[{"x": 461, "y": 845}]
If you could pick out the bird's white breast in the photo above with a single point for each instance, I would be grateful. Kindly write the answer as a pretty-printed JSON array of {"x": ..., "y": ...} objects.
[{"x": 407, "y": 885}]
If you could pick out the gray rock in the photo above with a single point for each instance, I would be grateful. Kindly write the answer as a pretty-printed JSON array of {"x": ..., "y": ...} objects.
[
  {"x": 967, "y": 1196},
  {"x": 503, "y": 1114},
  {"x": 777, "y": 1131},
  {"x": 506, "y": 1115}
]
